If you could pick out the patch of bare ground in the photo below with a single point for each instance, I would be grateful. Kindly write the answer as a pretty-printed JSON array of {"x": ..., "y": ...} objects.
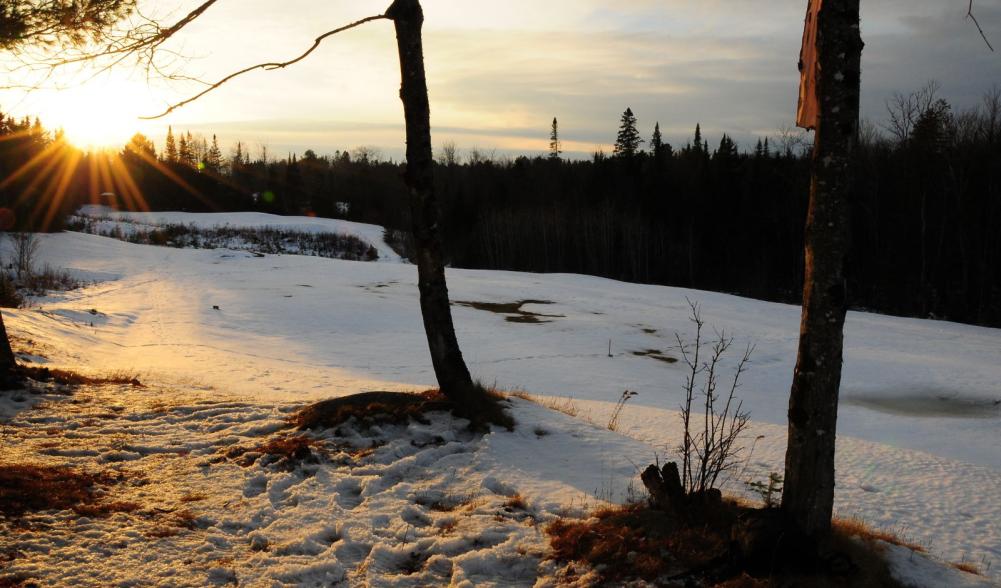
[
  {"x": 514, "y": 310},
  {"x": 370, "y": 409},
  {"x": 286, "y": 451},
  {"x": 29, "y": 487},
  {"x": 655, "y": 354},
  {"x": 22, "y": 375},
  {"x": 637, "y": 543}
]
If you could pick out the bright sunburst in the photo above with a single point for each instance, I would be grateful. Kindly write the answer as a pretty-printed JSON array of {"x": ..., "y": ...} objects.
[{"x": 102, "y": 114}]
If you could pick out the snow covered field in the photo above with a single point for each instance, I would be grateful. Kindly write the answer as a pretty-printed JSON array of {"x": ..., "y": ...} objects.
[{"x": 919, "y": 428}]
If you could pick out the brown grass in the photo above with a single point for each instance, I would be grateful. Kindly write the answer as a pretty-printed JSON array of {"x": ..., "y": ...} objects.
[
  {"x": 516, "y": 502},
  {"x": 369, "y": 408},
  {"x": 287, "y": 450},
  {"x": 27, "y": 488},
  {"x": 17, "y": 581},
  {"x": 71, "y": 378},
  {"x": 293, "y": 448},
  {"x": 634, "y": 542},
  {"x": 966, "y": 566},
  {"x": 854, "y": 527},
  {"x": 380, "y": 408}
]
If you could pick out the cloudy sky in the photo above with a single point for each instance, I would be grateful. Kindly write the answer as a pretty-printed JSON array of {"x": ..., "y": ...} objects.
[{"x": 500, "y": 71}]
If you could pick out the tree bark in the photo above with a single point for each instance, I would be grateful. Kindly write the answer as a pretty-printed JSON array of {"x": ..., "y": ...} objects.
[
  {"x": 7, "y": 360},
  {"x": 808, "y": 494},
  {"x": 449, "y": 367}
]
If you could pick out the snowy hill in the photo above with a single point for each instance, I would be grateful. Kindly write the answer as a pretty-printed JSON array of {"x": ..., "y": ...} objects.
[{"x": 919, "y": 428}]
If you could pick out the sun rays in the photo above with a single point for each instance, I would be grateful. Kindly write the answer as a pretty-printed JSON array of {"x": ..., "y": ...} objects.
[{"x": 60, "y": 175}]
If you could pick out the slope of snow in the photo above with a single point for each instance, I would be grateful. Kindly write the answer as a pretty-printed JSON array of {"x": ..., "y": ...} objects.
[{"x": 918, "y": 432}]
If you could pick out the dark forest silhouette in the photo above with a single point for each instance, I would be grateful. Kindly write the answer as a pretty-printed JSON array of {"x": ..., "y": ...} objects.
[{"x": 925, "y": 223}]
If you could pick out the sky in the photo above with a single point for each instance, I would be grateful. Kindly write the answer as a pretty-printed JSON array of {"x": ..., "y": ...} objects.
[{"x": 498, "y": 72}]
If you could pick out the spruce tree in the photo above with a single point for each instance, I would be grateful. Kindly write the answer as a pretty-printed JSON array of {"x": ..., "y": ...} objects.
[
  {"x": 727, "y": 148},
  {"x": 213, "y": 159},
  {"x": 657, "y": 145},
  {"x": 555, "y": 147},
  {"x": 698, "y": 148},
  {"x": 184, "y": 153},
  {"x": 627, "y": 143},
  {"x": 170, "y": 151}
]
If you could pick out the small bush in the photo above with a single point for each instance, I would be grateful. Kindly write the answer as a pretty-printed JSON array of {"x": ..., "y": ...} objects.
[
  {"x": 48, "y": 279},
  {"x": 9, "y": 295}
]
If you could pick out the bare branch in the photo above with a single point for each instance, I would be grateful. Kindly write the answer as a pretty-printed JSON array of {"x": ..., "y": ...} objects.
[
  {"x": 265, "y": 66},
  {"x": 142, "y": 40},
  {"x": 969, "y": 15}
]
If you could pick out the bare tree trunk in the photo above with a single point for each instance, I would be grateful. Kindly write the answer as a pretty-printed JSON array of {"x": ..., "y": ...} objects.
[
  {"x": 808, "y": 495},
  {"x": 7, "y": 361},
  {"x": 449, "y": 367}
]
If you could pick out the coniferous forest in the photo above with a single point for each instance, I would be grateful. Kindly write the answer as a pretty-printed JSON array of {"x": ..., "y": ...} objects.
[{"x": 926, "y": 227}]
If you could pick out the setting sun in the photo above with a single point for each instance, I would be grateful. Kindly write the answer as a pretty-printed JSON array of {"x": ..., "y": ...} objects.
[{"x": 103, "y": 114}]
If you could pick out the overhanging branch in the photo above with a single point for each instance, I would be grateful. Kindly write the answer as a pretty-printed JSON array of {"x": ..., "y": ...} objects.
[
  {"x": 266, "y": 66},
  {"x": 969, "y": 15}
]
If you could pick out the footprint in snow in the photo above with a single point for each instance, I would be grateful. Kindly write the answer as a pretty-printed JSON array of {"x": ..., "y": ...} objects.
[
  {"x": 349, "y": 493},
  {"x": 415, "y": 516},
  {"x": 255, "y": 486}
]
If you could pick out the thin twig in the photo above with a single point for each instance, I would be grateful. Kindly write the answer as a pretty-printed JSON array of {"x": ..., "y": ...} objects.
[
  {"x": 969, "y": 15},
  {"x": 265, "y": 66}
]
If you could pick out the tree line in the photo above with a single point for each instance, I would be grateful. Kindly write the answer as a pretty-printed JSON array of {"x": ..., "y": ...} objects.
[{"x": 924, "y": 224}]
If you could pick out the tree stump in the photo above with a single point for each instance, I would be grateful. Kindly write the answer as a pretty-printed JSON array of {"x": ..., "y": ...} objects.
[{"x": 664, "y": 485}]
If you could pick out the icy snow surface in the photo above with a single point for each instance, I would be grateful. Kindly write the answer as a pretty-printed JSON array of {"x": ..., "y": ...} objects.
[{"x": 919, "y": 425}]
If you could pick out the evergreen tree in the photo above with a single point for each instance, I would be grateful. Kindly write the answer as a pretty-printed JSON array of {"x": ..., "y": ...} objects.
[
  {"x": 661, "y": 150},
  {"x": 727, "y": 148},
  {"x": 170, "y": 151},
  {"x": 238, "y": 155},
  {"x": 213, "y": 159},
  {"x": 140, "y": 145},
  {"x": 555, "y": 147},
  {"x": 48, "y": 24},
  {"x": 656, "y": 141},
  {"x": 184, "y": 154},
  {"x": 627, "y": 143},
  {"x": 698, "y": 145}
]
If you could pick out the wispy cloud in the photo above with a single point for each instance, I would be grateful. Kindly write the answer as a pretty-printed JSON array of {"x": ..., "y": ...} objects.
[{"x": 499, "y": 72}]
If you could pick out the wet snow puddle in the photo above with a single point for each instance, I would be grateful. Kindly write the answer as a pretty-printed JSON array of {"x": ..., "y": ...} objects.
[{"x": 928, "y": 403}]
